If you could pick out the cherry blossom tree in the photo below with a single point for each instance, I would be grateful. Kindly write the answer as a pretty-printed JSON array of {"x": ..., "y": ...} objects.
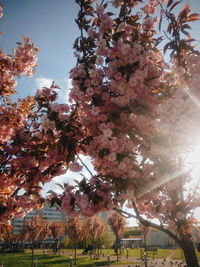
[
  {"x": 32, "y": 229},
  {"x": 118, "y": 224},
  {"x": 14, "y": 129},
  {"x": 139, "y": 114},
  {"x": 33, "y": 149},
  {"x": 96, "y": 227},
  {"x": 6, "y": 233},
  {"x": 46, "y": 231},
  {"x": 76, "y": 231},
  {"x": 57, "y": 230},
  {"x": 132, "y": 112}
]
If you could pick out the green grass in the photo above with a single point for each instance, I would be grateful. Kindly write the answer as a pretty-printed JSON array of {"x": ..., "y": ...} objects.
[
  {"x": 162, "y": 253},
  {"x": 24, "y": 260},
  {"x": 48, "y": 259}
]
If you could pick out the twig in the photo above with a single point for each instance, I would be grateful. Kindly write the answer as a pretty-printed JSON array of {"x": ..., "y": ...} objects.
[{"x": 85, "y": 166}]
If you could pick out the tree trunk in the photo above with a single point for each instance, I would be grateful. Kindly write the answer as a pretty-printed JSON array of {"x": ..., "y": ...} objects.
[
  {"x": 85, "y": 243},
  {"x": 43, "y": 246},
  {"x": 117, "y": 251},
  {"x": 187, "y": 244},
  {"x": 32, "y": 247},
  {"x": 94, "y": 248},
  {"x": 184, "y": 241},
  {"x": 145, "y": 250},
  {"x": 189, "y": 253},
  {"x": 75, "y": 254}
]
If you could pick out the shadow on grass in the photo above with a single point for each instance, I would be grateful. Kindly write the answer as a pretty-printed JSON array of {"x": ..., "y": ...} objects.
[{"x": 19, "y": 260}]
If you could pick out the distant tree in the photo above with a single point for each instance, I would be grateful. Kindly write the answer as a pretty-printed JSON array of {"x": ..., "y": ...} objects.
[
  {"x": 117, "y": 223},
  {"x": 96, "y": 227},
  {"x": 57, "y": 229},
  {"x": 46, "y": 231},
  {"x": 66, "y": 242},
  {"x": 16, "y": 238},
  {"x": 130, "y": 231},
  {"x": 76, "y": 231},
  {"x": 32, "y": 230},
  {"x": 6, "y": 233},
  {"x": 107, "y": 238}
]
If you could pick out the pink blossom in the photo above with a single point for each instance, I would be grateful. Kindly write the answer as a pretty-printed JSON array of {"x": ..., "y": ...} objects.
[
  {"x": 180, "y": 215},
  {"x": 99, "y": 60},
  {"x": 107, "y": 132},
  {"x": 112, "y": 156},
  {"x": 95, "y": 111},
  {"x": 122, "y": 166},
  {"x": 75, "y": 167},
  {"x": 149, "y": 23},
  {"x": 172, "y": 225},
  {"x": 100, "y": 9},
  {"x": 117, "y": 3},
  {"x": 92, "y": 33},
  {"x": 48, "y": 124},
  {"x": 63, "y": 117},
  {"x": 1, "y": 11},
  {"x": 150, "y": 8},
  {"x": 90, "y": 91},
  {"x": 82, "y": 201}
]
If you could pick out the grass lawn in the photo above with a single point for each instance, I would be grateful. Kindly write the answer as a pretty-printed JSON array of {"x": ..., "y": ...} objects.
[
  {"x": 48, "y": 259},
  {"x": 24, "y": 260}
]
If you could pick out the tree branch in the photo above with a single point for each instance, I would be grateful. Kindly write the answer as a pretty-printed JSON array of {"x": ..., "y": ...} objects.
[
  {"x": 148, "y": 223},
  {"x": 85, "y": 166}
]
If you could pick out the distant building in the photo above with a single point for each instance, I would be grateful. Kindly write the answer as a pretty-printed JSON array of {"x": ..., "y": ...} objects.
[
  {"x": 48, "y": 213},
  {"x": 132, "y": 242},
  {"x": 154, "y": 238},
  {"x": 158, "y": 238}
]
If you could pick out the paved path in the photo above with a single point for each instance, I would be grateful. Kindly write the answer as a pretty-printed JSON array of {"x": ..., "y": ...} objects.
[
  {"x": 155, "y": 263},
  {"x": 150, "y": 263},
  {"x": 137, "y": 262}
]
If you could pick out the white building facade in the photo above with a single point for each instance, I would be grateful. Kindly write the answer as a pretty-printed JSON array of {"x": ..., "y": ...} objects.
[{"x": 48, "y": 213}]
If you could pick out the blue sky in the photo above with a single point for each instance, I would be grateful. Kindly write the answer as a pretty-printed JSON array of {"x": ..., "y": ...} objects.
[{"x": 50, "y": 25}]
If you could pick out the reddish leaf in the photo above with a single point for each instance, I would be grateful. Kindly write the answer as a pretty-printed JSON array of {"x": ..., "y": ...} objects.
[
  {"x": 167, "y": 46},
  {"x": 185, "y": 26},
  {"x": 193, "y": 17},
  {"x": 169, "y": 28},
  {"x": 174, "y": 5},
  {"x": 184, "y": 12},
  {"x": 190, "y": 40}
]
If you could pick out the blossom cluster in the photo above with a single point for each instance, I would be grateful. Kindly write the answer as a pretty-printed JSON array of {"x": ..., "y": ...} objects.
[
  {"x": 137, "y": 112},
  {"x": 23, "y": 61},
  {"x": 113, "y": 95}
]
